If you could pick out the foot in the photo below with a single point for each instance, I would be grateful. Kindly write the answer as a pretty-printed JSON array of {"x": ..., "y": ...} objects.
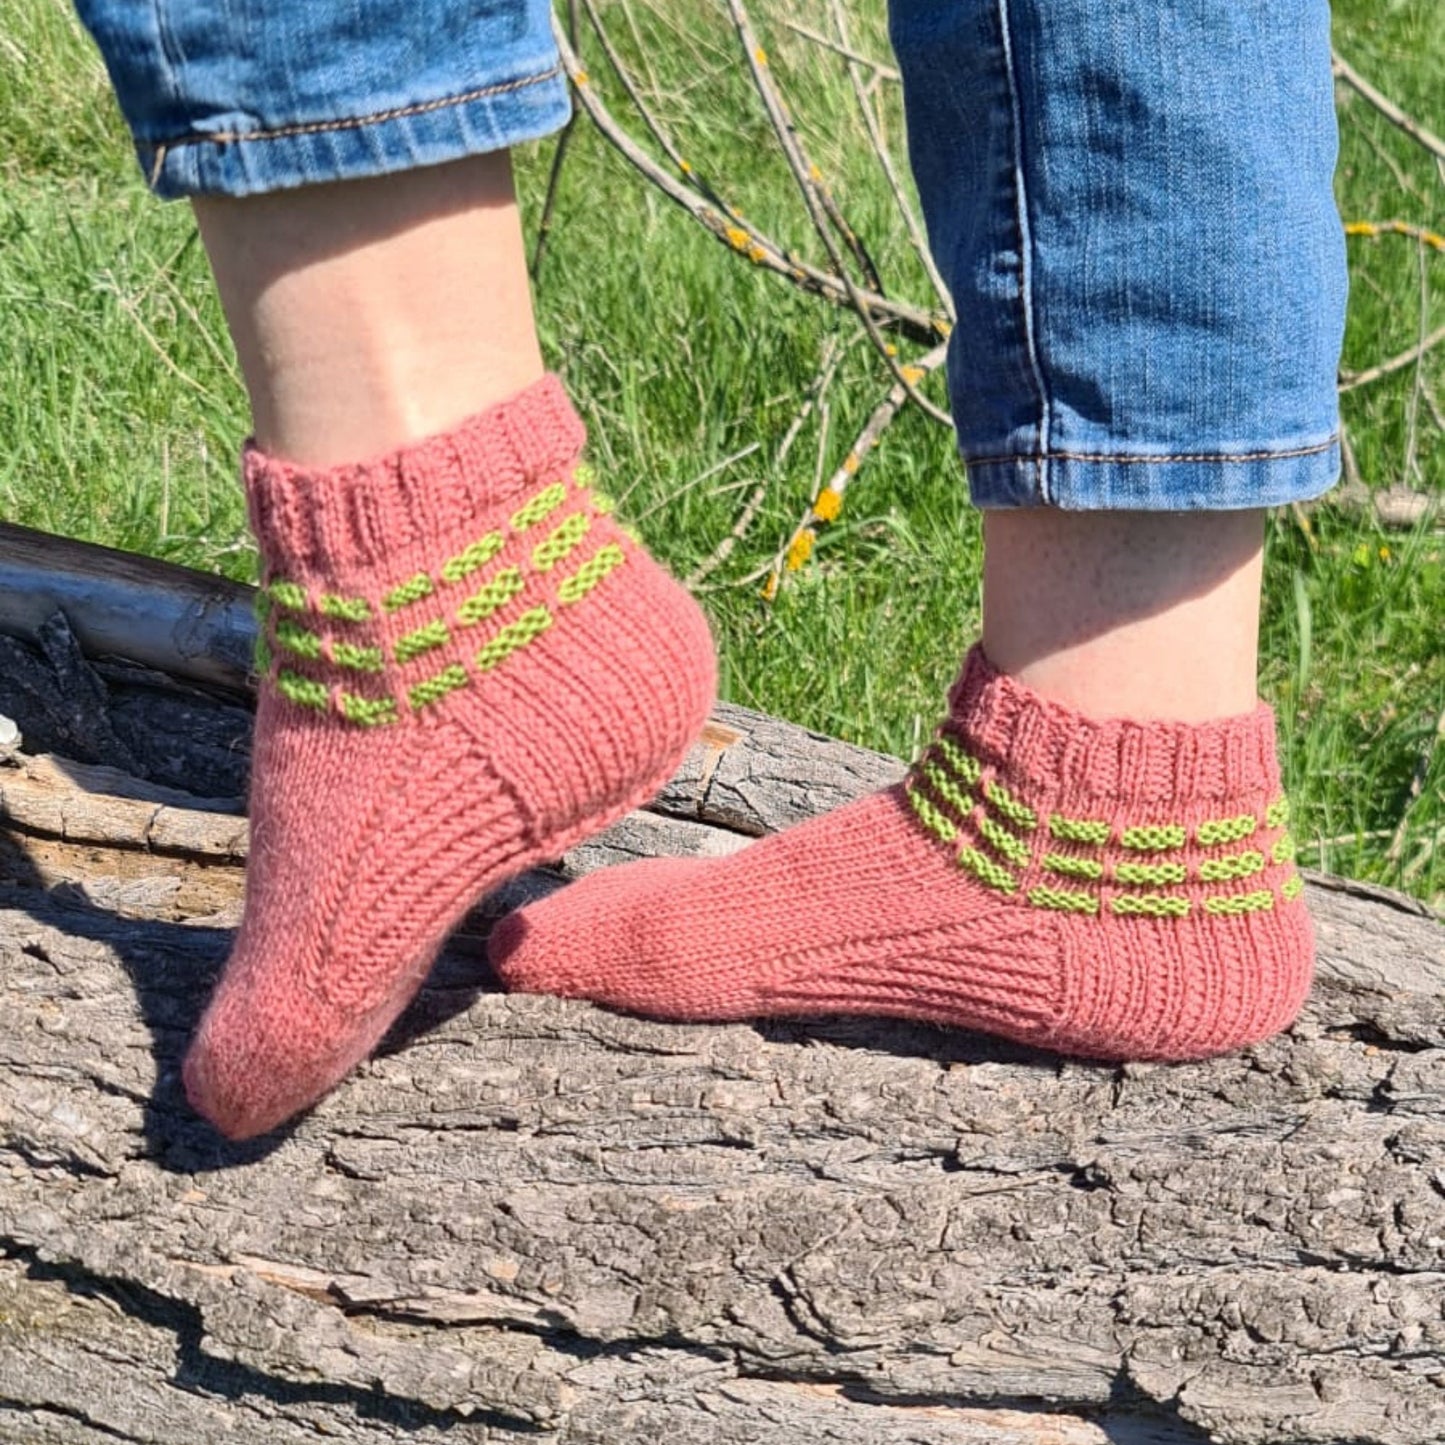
[
  {"x": 1107, "y": 889},
  {"x": 467, "y": 668}
]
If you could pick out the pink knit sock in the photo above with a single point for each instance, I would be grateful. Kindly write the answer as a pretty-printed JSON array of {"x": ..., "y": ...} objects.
[
  {"x": 467, "y": 667},
  {"x": 1108, "y": 889}
]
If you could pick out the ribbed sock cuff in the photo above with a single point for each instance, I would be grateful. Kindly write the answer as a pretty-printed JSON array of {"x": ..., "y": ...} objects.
[
  {"x": 320, "y": 523},
  {"x": 1045, "y": 747}
]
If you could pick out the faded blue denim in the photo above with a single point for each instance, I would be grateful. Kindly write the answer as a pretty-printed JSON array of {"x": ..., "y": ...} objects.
[
  {"x": 234, "y": 97},
  {"x": 1131, "y": 201}
]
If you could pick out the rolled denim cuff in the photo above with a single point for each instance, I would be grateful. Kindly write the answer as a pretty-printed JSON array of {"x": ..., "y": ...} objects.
[
  {"x": 1190, "y": 483},
  {"x": 244, "y": 163},
  {"x": 235, "y": 99}
]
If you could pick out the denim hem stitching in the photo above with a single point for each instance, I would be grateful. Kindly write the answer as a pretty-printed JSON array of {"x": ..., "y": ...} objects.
[
  {"x": 1133, "y": 460},
  {"x": 319, "y": 127},
  {"x": 1025, "y": 232}
]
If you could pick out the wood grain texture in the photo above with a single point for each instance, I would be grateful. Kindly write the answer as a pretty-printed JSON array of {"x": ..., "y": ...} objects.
[
  {"x": 528, "y": 1218},
  {"x": 533, "y": 1215}
]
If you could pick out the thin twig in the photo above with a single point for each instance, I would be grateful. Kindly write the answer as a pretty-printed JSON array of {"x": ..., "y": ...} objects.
[
  {"x": 913, "y": 322},
  {"x": 1353, "y": 380},
  {"x": 887, "y": 72},
  {"x": 1433, "y": 239},
  {"x": 1417, "y": 786},
  {"x": 723, "y": 550},
  {"x": 827, "y": 368},
  {"x": 698, "y": 480},
  {"x": 817, "y": 198},
  {"x": 827, "y": 502},
  {"x": 1412, "y": 424},
  {"x": 554, "y": 177},
  {"x": 1345, "y": 71},
  {"x": 890, "y": 172},
  {"x": 1349, "y": 465},
  {"x": 654, "y": 128},
  {"x": 1433, "y": 407},
  {"x": 806, "y": 174}
]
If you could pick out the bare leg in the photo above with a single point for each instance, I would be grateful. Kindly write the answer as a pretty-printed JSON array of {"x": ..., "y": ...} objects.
[
  {"x": 467, "y": 665},
  {"x": 370, "y": 313},
  {"x": 1147, "y": 615}
]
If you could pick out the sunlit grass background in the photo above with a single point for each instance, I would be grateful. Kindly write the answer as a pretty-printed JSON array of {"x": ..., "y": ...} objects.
[{"x": 121, "y": 409}]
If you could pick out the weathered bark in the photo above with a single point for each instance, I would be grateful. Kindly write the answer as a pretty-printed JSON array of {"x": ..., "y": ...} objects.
[
  {"x": 155, "y": 613},
  {"x": 529, "y": 1214}
]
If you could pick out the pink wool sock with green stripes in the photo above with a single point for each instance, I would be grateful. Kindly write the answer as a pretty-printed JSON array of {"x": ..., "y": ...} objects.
[
  {"x": 466, "y": 667},
  {"x": 1108, "y": 889}
]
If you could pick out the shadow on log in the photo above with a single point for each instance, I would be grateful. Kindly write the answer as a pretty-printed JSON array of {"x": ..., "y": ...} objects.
[{"x": 530, "y": 1218}]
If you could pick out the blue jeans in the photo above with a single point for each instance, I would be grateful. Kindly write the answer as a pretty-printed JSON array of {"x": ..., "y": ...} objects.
[{"x": 1131, "y": 201}]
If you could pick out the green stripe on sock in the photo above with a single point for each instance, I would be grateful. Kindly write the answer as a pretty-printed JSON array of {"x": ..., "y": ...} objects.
[
  {"x": 1004, "y": 842},
  {"x": 1063, "y": 898},
  {"x": 348, "y": 609},
  {"x": 604, "y": 561},
  {"x": 1226, "y": 830},
  {"x": 931, "y": 818},
  {"x": 513, "y": 636},
  {"x": 1149, "y": 905},
  {"x": 433, "y": 689},
  {"x": 358, "y": 659},
  {"x": 966, "y": 767},
  {"x": 1078, "y": 830},
  {"x": 1240, "y": 903},
  {"x": 302, "y": 690},
  {"x": 1154, "y": 837},
  {"x": 412, "y": 590},
  {"x": 1152, "y": 873},
  {"x": 424, "y": 639},
  {"x": 942, "y": 783},
  {"x": 562, "y": 540},
  {"x": 367, "y": 712},
  {"x": 541, "y": 506},
  {"x": 490, "y": 596},
  {"x": 1019, "y": 814},
  {"x": 1074, "y": 867},
  {"x": 1237, "y": 865},
  {"x": 985, "y": 869},
  {"x": 295, "y": 638},
  {"x": 291, "y": 595},
  {"x": 455, "y": 569}
]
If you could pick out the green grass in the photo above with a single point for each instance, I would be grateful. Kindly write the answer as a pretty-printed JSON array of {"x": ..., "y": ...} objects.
[{"x": 120, "y": 407}]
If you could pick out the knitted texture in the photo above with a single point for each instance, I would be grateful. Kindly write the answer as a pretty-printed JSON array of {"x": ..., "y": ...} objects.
[
  {"x": 466, "y": 667},
  {"x": 1102, "y": 888}
]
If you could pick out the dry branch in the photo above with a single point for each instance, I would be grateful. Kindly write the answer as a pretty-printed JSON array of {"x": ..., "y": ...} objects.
[
  {"x": 1422, "y": 137},
  {"x": 810, "y": 185},
  {"x": 1353, "y": 380},
  {"x": 914, "y": 322},
  {"x": 532, "y": 1214}
]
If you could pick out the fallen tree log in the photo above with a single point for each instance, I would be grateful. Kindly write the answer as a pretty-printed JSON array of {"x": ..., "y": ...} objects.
[{"x": 529, "y": 1216}]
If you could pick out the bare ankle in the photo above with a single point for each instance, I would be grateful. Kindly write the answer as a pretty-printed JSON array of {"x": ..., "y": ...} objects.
[{"x": 1147, "y": 615}]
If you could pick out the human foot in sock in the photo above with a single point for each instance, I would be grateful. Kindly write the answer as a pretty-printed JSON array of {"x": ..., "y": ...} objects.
[
  {"x": 1106, "y": 889},
  {"x": 468, "y": 667}
]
